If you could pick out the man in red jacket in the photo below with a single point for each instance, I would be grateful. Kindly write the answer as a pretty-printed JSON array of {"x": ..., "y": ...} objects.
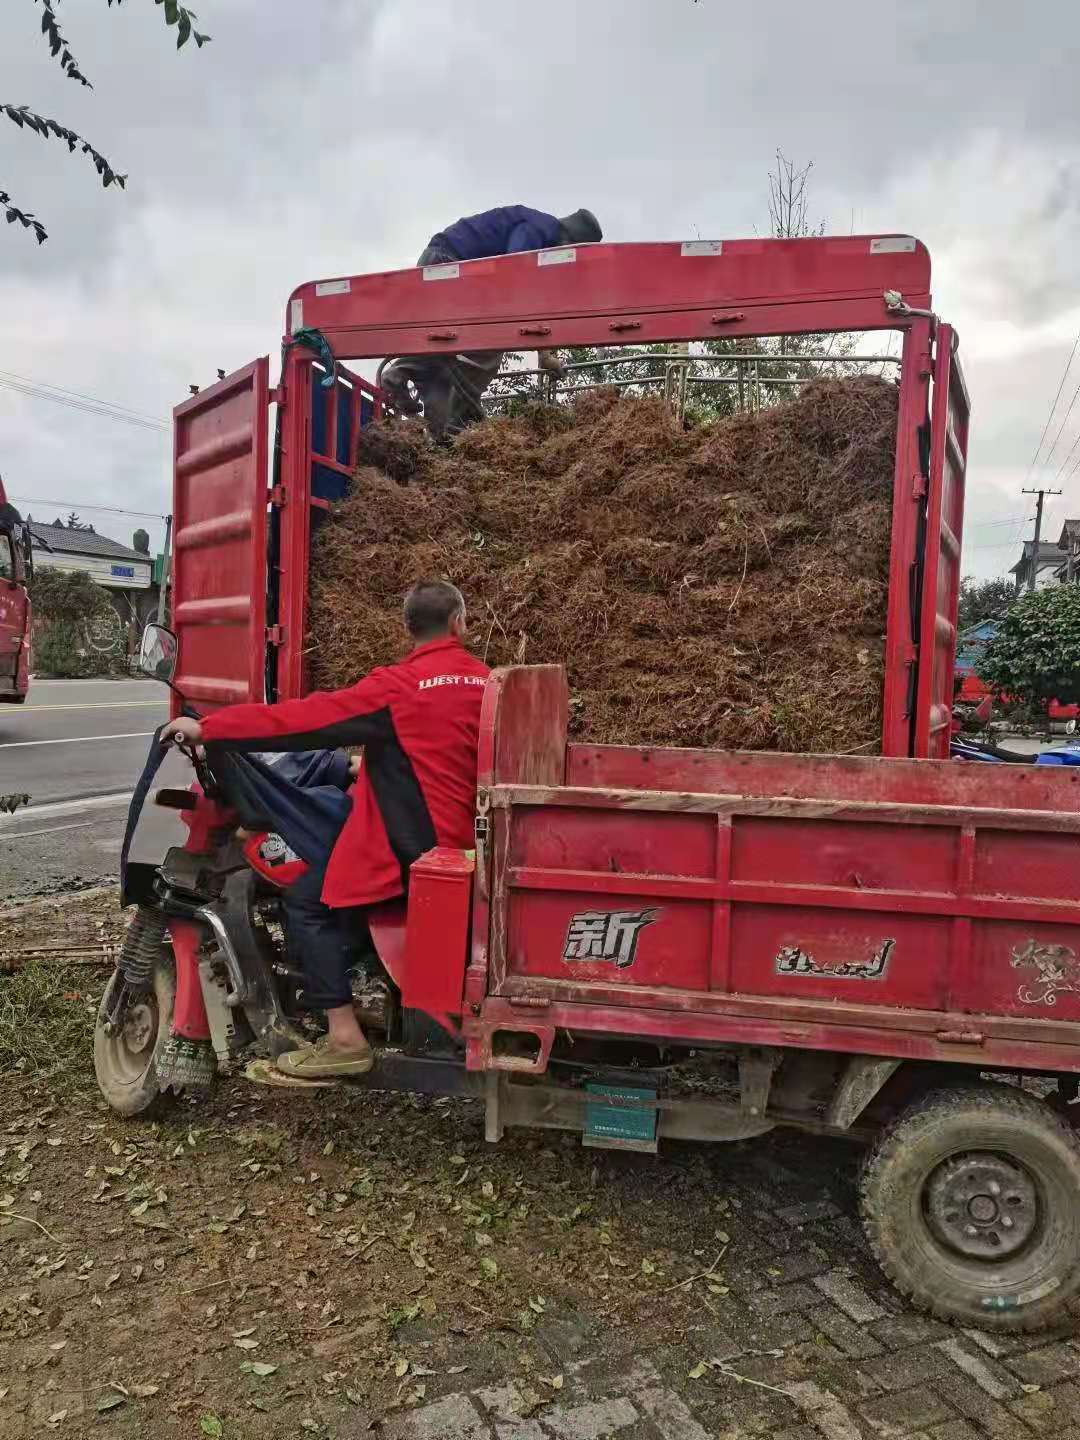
[{"x": 419, "y": 724}]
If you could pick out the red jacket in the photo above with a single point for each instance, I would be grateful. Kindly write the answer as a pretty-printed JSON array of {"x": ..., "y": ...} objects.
[{"x": 419, "y": 724}]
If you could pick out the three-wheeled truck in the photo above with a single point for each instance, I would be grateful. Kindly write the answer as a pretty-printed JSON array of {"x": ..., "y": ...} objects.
[{"x": 649, "y": 943}]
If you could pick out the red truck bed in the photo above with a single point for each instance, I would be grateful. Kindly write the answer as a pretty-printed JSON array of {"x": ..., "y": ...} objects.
[
  {"x": 244, "y": 517},
  {"x": 884, "y": 907}
]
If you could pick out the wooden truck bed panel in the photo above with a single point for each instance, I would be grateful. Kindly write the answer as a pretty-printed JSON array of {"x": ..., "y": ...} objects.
[{"x": 809, "y": 895}]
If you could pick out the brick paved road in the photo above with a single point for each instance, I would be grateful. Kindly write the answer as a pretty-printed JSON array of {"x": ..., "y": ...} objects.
[
  {"x": 795, "y": 1335},
  {"x": 823, "y": 1345}
]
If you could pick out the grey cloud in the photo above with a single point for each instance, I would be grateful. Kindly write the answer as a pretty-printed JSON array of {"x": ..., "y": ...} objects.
[{"x": 325, "y": 138}]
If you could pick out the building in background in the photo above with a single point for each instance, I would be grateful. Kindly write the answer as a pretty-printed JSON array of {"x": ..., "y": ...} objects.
[
  {"x": 130, "y": 575},
  {"x": 1051, "y": 558},
  {"x": 1069, "y": 542}
]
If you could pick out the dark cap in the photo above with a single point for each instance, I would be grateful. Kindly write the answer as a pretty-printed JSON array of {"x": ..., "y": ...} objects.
[{"x": 581, "y": 227}]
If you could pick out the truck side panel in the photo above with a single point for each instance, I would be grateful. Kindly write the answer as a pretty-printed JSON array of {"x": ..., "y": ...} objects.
[
  {"x": 919, "y": 907},
  {"x": 941, "y": 562}
]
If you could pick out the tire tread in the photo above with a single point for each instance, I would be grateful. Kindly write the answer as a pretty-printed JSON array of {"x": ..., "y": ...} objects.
[{"x": 945, "y": 1102}]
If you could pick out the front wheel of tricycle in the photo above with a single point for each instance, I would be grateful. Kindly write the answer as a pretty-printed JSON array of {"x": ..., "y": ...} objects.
[
  {"x": 125, "y": 1062},
  {"x": 971, "y": 1204}
]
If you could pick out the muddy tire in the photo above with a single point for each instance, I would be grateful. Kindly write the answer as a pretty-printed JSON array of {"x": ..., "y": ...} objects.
[
  {"x": 126, "y": 1064},
  {"x": 971, "y": 1204}
]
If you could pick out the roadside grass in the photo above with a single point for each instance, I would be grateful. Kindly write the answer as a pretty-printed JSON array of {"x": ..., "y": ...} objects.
[{"x": 47, "y": 1014}]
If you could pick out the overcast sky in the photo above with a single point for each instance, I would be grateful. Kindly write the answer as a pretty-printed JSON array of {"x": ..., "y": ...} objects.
[{"x": 334, "y": 136}]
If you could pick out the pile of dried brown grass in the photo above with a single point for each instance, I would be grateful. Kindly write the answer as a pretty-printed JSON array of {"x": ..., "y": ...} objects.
[{"x": 720, "y": 586}]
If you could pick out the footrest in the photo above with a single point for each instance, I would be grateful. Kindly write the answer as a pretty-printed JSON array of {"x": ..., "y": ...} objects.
[{"x": 613, "y": 1121}]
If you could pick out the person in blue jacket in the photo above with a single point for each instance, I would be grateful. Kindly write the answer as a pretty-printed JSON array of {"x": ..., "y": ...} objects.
[{"x": 451, "y": 387}]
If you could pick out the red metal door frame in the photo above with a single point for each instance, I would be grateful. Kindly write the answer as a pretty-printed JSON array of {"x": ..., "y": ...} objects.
[
  {"x": 941, "y": 558},
  {"x": 643, "y": 293},
  {"x": 219, "y": 509},
  {"x": 293, "y": 497}
]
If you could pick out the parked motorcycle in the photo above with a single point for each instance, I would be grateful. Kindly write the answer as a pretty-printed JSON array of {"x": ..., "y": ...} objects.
[{"x": 203, "y": 981}]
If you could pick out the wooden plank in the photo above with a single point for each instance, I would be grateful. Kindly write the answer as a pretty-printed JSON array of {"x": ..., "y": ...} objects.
[
  {"x": 828, "y": 777},
  {"x": 623, "y": 1009},
  {"x": 523, "y": 726},
  {"x": 960, "y": 949},
  {"x": 720, "y": 944},
  {"x": 830, "y": 897},
  {"x": 498, "y": 958},
  {"x": 780, "y": 806}
]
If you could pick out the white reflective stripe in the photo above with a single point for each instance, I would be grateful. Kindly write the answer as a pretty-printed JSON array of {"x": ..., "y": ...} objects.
[
  {"x": 332, "y": 287},
  {"x": 565, "y": 256},
  {"x": 75, "y": 739},
  {"x": 893, "y": 245},
  {"x": 296, "y": 316},
  {"x": 442, "y": 272},
  {"x": 703, "y": 247}
]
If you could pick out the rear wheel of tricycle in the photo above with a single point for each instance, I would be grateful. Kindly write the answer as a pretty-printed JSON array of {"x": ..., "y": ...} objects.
[
  {"x": 971, "y": 1203},
  {"x": 125, "y": 1062}
]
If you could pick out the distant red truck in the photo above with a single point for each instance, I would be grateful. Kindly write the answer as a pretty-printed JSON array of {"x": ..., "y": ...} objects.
[{"x": 15, "y": 570}]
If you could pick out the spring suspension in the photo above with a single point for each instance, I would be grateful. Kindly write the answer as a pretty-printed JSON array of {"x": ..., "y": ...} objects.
[{"x": 142, "y": 946}]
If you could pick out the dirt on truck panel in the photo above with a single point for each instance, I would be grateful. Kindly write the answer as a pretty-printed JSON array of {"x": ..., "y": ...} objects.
[{"x": 721, "y": 585}]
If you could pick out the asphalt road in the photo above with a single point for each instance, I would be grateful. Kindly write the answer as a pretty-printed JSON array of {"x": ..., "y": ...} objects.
[{"x": 76, "y": 747}]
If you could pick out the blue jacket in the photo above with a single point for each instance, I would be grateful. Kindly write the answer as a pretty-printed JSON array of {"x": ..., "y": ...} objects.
[{"x": 504, "y": 231}]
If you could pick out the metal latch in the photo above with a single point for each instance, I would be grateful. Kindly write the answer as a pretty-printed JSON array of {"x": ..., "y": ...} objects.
[
  {"x": 482, "y": 831},
  {"x": 897, "y": 305},
  {"x": 275, "y": 634}
]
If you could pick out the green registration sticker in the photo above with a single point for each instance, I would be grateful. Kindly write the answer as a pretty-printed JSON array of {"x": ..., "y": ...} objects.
[{"x": 614, "y": 1122}]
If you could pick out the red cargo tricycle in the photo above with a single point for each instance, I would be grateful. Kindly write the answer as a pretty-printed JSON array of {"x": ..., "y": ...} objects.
[{"x": 647, "y": 944}]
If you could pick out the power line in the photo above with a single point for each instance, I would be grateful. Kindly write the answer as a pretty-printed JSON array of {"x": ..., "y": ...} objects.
[
  {"x": 1053, "y": 407},
  {"x": 78, "y": 395},
  {"x": 86, "y": 405},
  {"x": 1061, "y": 427},
  {"x": 72, "y": 505},
  {"x": 1068, "y": 457},
  {"x": 994, "y": 524}
]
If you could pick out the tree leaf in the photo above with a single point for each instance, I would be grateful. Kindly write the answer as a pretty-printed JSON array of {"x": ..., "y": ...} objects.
[
  {"x": 488, "y": 1267},
  {"x": 211, "y": 1425},
  {"x": 700, "y": 1369},
  {"x": 110, "y": 1402},
  {"x": 258, "y": 1367}
]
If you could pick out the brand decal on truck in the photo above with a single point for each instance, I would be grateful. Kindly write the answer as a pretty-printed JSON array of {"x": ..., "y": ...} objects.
[
  {"x": 793, "y": 961},
  {"x": 606, "y": 935},
  {"x": 1057, "y": 972}
]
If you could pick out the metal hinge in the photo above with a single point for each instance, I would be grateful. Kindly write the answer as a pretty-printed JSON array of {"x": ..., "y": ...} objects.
[
  {"x": 275, "y": 634},
  {"x": 961, "y": 1037},
  {"x": 918, "y": 486},
  {"x": 277, "y": 496},
  {"x": 277, "y": 395},
  {"x": 528, "y": 1002}
]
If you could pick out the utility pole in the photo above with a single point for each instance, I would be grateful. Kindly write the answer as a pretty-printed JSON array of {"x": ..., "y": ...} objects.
[
  {"x": 1038, "y": 532},
  {"x": 166, "y": 557}
]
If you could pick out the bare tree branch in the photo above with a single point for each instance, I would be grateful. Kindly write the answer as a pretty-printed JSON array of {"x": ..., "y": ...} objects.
[
  {"x": 50, "y": 28},
  {"x": 12, "y": 213}
]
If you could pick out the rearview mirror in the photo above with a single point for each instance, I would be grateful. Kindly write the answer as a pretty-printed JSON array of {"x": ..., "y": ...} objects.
[{"x": 157, "y": 653}]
